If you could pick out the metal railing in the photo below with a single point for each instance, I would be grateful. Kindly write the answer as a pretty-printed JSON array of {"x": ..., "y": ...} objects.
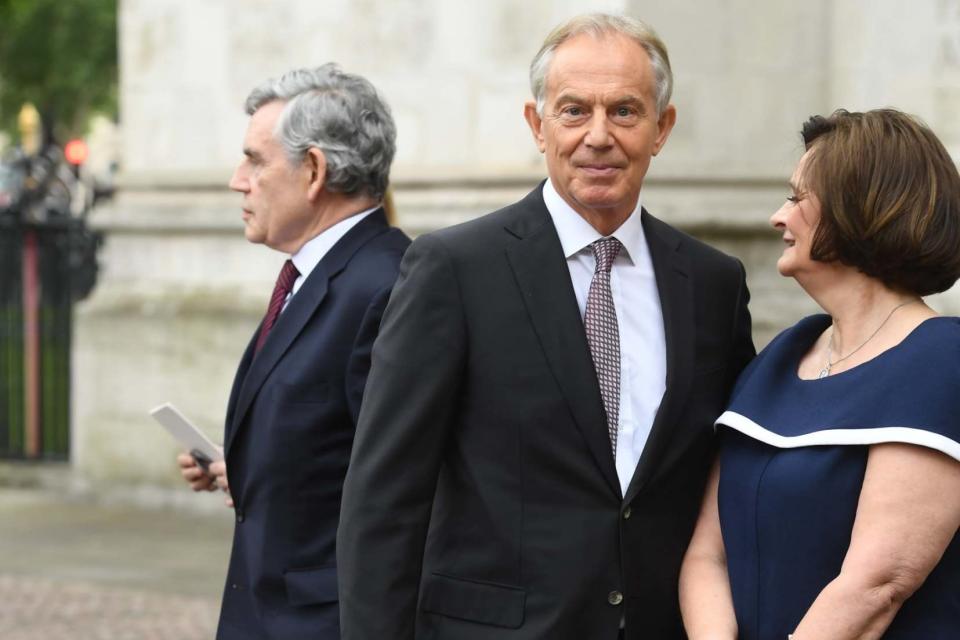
[{"x": 47, "y": 262}]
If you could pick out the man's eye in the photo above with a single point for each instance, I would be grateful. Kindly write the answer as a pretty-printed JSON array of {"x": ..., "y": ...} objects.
[
  {"x": 573, "y": 111},
  {"x": 624, "y": 112}
]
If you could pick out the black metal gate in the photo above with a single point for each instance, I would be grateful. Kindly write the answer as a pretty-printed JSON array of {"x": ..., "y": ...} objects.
[
  {"x": 47, "y": 262},
  {"x": 11, "y": 339},
  {"x": 35, "y": 335}
]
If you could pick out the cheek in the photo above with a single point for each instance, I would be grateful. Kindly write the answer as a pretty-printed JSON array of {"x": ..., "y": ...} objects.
[{"x": 565, "y": 143}]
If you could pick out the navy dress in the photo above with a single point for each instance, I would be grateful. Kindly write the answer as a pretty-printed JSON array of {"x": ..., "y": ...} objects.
[{"x": 793, "y": 458}]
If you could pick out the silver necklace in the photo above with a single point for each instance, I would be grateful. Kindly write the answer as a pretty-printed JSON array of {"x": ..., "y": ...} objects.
[{"x": 825, "y": 371}]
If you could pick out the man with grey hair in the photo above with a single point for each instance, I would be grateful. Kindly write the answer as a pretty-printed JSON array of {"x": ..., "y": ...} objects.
[
  {"x": 316, "y": 164},
  {"x": 531, "y": 455}
]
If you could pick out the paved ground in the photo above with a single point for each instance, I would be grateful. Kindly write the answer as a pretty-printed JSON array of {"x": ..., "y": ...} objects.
[{"x": 70, "y": 569}]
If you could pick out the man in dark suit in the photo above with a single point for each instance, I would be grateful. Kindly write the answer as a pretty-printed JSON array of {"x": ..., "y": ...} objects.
[
  {"x": 317, "y": 157},
  {"x": 537, "y": 429}
]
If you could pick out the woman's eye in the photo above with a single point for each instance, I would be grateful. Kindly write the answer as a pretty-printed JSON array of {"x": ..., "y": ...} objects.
[{"x": 793, "y": 199}]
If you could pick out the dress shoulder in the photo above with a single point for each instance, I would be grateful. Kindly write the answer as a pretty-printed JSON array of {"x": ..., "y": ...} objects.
[
  {"x": 784, "y": 344},
  {"x": 909, "y": 393}
]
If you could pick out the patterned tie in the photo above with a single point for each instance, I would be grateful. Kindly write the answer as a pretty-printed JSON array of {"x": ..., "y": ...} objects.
[
  {"x": 603, "y": 335},
  {"x": 288, "y": 275}
]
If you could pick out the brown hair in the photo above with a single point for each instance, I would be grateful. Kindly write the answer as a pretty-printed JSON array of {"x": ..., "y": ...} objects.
[{"x": 889, "y": 196}]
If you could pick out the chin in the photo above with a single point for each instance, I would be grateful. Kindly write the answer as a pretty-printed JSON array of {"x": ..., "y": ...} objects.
[
  {"x": 253, "y": 236},
  {"x": 785, "y": 268}
]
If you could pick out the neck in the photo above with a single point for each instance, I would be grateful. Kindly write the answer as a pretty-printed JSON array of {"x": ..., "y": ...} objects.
[
  {"x": 330, "y": 210},
  {"x": 605, "y": 224},
  {"x": 858, "y": 305},
  {"x": 605, "y": 220}
]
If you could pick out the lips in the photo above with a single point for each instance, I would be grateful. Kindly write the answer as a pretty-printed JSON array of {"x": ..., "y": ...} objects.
[{"x": 599, "y": 170}]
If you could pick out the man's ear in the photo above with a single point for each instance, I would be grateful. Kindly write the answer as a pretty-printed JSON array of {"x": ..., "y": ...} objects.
[
  {"x": 536, "y": 123},
  {"x": 316, "y": 167},
  {"x": 665, "y": 125}
]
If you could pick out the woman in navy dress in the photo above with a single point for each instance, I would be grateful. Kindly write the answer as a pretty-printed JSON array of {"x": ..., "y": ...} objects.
[{"x": 834, "y": 508}]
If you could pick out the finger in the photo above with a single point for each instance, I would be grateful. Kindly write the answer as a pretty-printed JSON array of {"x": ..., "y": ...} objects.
[
  {"x": 185, "y": 460},
  {"x": 201, "y": 486},
  {"x": 228, "y": 501},
  {"x": 194, "y": 474}
]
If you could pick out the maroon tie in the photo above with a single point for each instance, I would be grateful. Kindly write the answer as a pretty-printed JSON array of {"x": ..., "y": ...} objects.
[{"x": 288, "y": 275}]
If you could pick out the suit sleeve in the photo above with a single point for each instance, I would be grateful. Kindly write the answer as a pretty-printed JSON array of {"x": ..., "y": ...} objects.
[
  {"x": 405, "y": 421},
  {"x": 742, "y": 350},
  {"x": 358, "y": 366}
]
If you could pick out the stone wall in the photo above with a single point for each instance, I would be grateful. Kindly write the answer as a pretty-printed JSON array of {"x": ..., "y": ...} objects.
[{"x": 181, "y": 291}]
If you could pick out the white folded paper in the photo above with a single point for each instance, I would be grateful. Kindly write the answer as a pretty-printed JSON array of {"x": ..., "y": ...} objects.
[{"x": 186, "y": 432}]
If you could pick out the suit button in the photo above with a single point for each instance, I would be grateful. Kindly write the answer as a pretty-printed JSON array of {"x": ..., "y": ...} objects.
[
  {"x": 615, "y": 598},
  {"x": 239, "y": 515},
  {"x": 627, "y": 513}
]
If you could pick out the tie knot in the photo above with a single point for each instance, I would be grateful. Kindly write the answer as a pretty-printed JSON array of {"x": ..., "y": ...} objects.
[
  {"x": 605, "y": 251},
  {"x": 288, "y": 275}
]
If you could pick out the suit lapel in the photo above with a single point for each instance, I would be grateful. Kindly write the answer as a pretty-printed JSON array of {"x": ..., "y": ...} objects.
[
  {"x": 298, "y": 312},
  {"x": 672, "y": 272},
  {"x": 238, "y": 379},
  {"x": 543, "y": 277}
]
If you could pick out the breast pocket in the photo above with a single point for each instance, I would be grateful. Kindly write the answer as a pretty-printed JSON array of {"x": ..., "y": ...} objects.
[{"x": 302, "y": 392}]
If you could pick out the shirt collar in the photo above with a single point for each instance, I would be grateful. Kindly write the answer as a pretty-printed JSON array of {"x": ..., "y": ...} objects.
[
  {"x": 576, "y": 234},
  {"x": 313, "y": 251}
]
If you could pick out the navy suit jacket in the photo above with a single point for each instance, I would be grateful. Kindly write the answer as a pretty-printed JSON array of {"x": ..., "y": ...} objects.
[{"x": 289, "y": 430}]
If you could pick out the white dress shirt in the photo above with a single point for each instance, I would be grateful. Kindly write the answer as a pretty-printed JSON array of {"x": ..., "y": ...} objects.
[
  {"x": 312, "y": 252},
  {"x": 643, "y": 351}
]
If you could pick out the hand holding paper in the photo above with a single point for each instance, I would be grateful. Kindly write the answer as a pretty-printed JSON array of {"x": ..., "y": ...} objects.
[{"x": 192, "y": 439}]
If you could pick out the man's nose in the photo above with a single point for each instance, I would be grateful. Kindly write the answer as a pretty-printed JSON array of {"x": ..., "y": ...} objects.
[
  {"x": 598, "y": 130},
  {"x": 238, "y": 181}
]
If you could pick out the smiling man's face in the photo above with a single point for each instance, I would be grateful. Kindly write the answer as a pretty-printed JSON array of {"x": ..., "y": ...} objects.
[{"x": 600, "y": 126}]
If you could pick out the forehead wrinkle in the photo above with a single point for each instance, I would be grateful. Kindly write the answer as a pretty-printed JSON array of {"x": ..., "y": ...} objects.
[
  {"x": 617, "y": 96},
  {"x": 618, "y": 91}
]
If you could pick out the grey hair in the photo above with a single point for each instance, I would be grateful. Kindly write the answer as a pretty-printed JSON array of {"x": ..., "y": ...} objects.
[
  {"x": 599, "y": 25},
  {"x": 342, "y": 115}
]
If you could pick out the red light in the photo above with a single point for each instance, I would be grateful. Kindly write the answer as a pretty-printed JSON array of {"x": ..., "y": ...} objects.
[{"x": 76, "y": 152}]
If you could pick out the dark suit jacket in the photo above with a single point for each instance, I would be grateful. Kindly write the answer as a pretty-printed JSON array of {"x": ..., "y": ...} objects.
[
  {"x": 290, "y": 426},
  {"x": 482, "y": 501}
]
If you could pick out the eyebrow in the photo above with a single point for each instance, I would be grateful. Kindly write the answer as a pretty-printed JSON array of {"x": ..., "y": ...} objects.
[
  {"x": 796, "y": 188},
  {"x": 569, "y": 97}
]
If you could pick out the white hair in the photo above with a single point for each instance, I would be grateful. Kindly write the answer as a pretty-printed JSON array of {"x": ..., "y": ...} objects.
[
  {"x": 600, "y": 25},
  {"x": 342, "y": 115}
]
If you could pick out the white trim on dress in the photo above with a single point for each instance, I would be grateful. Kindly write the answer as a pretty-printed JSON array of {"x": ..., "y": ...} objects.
[{"x": 863, "y": 436}]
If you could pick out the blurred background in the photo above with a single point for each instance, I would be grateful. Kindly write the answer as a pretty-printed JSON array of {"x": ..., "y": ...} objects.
[{"x": 125, "y": 281}]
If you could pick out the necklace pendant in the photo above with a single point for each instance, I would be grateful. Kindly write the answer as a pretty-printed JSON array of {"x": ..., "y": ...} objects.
[{"x": 823, "y": 373}]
